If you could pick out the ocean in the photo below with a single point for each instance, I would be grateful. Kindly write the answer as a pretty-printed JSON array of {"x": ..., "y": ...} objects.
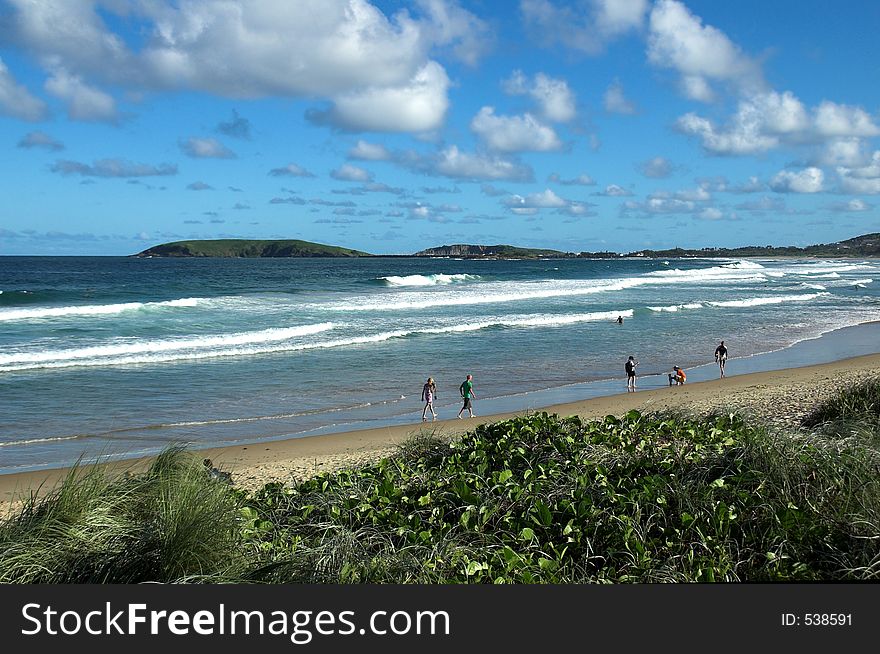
[{"x": 121, "y": 356}]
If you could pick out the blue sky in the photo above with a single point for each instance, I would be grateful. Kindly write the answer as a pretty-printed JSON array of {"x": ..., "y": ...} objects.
[{"x": 395, "y": 126}]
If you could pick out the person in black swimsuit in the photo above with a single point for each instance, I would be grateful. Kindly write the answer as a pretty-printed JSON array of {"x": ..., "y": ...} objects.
[
  {"x": 630, "y": 368},
  {"x": 721, "y": 357}
]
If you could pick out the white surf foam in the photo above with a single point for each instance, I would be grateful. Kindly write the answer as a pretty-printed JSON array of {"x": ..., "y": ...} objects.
[
  {"x": 34, "y": 441},
  {"x": 427, "y": 280},
  {"x": 759, "y": 301},
  {"x": 36, "y": 313},
  {"x": 677, "y": 307},
  {"x": 829, "y": 268},
  {"x": 501, "y": 292},
  {"x": 189, "y": 347},
  {"x": 153, "y": 352}
]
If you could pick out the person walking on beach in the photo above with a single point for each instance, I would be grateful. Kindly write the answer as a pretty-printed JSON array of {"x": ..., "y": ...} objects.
[
  {"x": 429, "y": 392},
  {"x": 630, "y": 367},
  {"x": 467, "y": 393},
  {"x": 721, "y": 357}
]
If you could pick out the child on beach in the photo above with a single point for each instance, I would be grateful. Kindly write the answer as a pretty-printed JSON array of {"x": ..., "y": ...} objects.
[{"x": 429, "y": 392}]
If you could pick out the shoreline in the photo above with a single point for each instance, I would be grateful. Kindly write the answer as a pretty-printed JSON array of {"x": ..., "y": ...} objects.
[{"x": 778, "y": 397}]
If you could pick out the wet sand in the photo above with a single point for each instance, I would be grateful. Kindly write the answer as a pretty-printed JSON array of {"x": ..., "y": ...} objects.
[{"x": 779, "y": 397}]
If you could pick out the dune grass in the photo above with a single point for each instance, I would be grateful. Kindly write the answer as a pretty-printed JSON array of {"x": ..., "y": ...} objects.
[
  {"x": 536, "y": 499},
  {"x": 170, "y": 523},
  {"x": 851, "y": 411}
]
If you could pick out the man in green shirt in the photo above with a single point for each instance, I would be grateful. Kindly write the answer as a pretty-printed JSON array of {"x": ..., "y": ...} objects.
[{"x": 467, "y": 393}]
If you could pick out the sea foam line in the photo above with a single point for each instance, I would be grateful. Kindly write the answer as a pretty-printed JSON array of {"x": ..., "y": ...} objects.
[
  {"x": 63, "y": 359},
  {"x": 167, "y": 345},
  {"x": 677, "y": 307},
  {"x": 92, "y": 309},
  {"x": 777, "y": 299},
  {"x": 503, "y": 292},
  {"x": 427, "y": 280}
]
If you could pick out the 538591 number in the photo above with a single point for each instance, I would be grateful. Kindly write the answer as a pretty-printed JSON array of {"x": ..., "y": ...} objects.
[{"x": 817, "y": 619}]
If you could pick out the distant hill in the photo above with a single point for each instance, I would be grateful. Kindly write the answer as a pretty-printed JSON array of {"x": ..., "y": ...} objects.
[
  {"x": 867, "y": 245},
  {"x": 248, "y": 248},
  {"x": 489, "y": 251}
]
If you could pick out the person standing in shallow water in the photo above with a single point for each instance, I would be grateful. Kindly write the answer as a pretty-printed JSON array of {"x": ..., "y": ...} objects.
[
  {"x": 721, "y": 357},
  {"x": 429, "y": 392},
  {"x": 630, "y": 367},
  {"x": 467, "y": 393}
]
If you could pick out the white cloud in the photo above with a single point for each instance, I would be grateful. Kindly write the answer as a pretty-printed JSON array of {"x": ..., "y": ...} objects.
[
  {"x": 849, "y": 152},
  {"x": 751, "y": 185},
  {"x": 739, "y": 139},
  {"x": 369, "y": 152},
  {"x": 656, "y": 168},
  {"x": 586, "y": 26},
  {"x": 581, "y": 180},
  {"x": 832, "y": 119},
  {"x": 767, "y": 120},
  {"x": 40, "y": 140},
  {"x": 16, "y": 101},
  {"x": 698, "y": 194},
  {"x": 700, "y": 53},
  {"x": 711, "y": 213},
  {"x": 209, "y": 148},
  {"x": 697, "y": 88},
  {"x": 660, "y": 204},
  {"x": 449, "y": 24},
  {"x": 71, "y": 32},
  {"x": 851, "y": 206},
  {"x": 614, "y": 191},
  {"x": 290, "y": 170},
  {"x": 349, "y": 173},
  {"x": 554, "y": 98},
  {"x": 514, "y": 133},
  {"x": 808, "y": 180},
  {"x": 861, "y": 179},
  {"x": 83, "y": 101},
  {"x": 546, "y": 199},
  {"x": 287, "y": 48},
  {"x": 454, "y": 163},
  {"x": 615, "y": 101},
  {"x": 112, "y": 168},
  {"x": 418, "y": 105},
  {"x": 345, "y": 51}
]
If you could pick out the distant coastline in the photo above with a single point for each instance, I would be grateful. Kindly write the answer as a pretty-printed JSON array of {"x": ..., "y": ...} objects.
[{"x": 867, "y": 245}]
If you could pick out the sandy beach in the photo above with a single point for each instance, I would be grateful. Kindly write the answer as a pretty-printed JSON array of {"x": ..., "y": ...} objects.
[{"x": 778, "y": 397}]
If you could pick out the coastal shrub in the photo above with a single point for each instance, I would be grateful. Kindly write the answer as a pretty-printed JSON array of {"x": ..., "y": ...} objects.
[
  {"x": 535, "y": 499},
  {"x": 543, "y": 499},
  {"x": 169, "y": 523}
]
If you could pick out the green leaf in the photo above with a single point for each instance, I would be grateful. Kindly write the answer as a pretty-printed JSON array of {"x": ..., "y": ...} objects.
[
  {"x": 527, "y": 534},
  {"x": 547, "y": 565}
]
